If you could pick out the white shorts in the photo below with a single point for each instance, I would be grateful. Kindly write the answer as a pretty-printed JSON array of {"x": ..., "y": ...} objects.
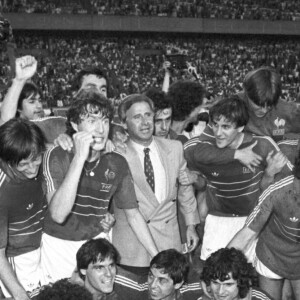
[
  {"x": 27, "y": 269},
  {"x": 219, "y": 231},
  {"x": 58, "y": 257},
  {"x": 263, "y": 270}
]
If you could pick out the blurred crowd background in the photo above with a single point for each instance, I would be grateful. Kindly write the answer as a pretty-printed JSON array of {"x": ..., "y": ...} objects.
[{"x": 227, "y": 9}]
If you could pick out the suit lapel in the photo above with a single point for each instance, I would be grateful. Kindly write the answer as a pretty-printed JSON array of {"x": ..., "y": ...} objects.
[{"x": 138, "y": 174}]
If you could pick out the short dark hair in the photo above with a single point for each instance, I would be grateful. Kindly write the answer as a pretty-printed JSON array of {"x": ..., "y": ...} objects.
[
  {"x": 85, "y": 102},
  {"x": 185, "y": 96},
  {"x": 225, "y": 261},
  {"x": 232, "y": 109},
  {"x": 29, "y": 89},
  {"x": 93, "y": 251},
  {"x": 159, "y": 98},
  {"x": 91, "y": 71},
  {"x": 129, "y": 101},
  {"x": 20, "y": 139},
  {"x": 263, "y": 86},
  {"x": 172, "y": 263},
  {"x": 64, "y": 290}
]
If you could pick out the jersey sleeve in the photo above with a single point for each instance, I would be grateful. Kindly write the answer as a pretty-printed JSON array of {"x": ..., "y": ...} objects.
[
  {"x": 53, "y": 169},
  {"x": 3, "y": 227},
  {"x": 125, "y": 197},
  {"x": 202, "y": 150},
  {"x": 261, "y": 213}
]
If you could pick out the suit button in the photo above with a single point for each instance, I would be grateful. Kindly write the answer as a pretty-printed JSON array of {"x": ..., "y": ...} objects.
[{"x": 148, "y": 221}]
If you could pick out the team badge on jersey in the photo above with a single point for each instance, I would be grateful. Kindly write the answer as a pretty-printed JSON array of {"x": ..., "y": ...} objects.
[
  {"x": 105, "y": 187},
  {"x": 109, "y": 175},
  {"x": 280, "y": 123},
  {"x": 30, "y": 206},
  {"x": 247, "y": 170}
]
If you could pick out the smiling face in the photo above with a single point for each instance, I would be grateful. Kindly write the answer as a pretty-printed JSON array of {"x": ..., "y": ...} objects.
[
  {"x": 161, "y": 286},
  {"x": 29, "y": 167},
  {"x": 162, "y": 121},
  {"x": 225, "y": 290},
  {"x": 140, "y": 123},
  {"x": 32, "y": 107},
  {"x": 93, "y": 81},
  {"x": 226, "y": 133},
  {"x": 100, "y": 276}
]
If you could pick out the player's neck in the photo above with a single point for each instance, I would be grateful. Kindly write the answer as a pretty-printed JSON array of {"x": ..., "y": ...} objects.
[{"x": 238, "y": 141}]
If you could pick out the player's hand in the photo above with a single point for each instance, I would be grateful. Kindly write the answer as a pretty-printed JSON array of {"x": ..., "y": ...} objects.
[
  {"x": 108, "y": 222},
  {"x": 275, "y": 162},
  {"x": 82, "y": 142},
  {"x": 109, "y": 147},
  {"x": 192, "y": 238},
  {"x": 25, "y": 67},
  {"x": 247, "y": 157},
  {"x": 205, "y": 289},
  {"x": 64, "y": 141},
  {"x": 187, "y": 177}
]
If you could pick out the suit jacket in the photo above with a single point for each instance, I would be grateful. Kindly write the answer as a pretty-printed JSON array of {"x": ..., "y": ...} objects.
[{"x": 160, "y": 217}]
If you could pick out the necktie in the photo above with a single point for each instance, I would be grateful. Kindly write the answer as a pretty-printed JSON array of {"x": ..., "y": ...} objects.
[{"x": 148, "y": 169}]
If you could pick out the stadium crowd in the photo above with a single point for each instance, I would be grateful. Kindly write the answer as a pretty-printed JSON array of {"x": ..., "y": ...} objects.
[
  {"x": 223, "y": 9},
  {"x": 135, "y": 64}
]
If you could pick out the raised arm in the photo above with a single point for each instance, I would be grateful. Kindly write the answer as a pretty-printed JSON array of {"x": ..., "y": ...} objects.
[
  {"x": 62, "y": 200},
  {"x": 25, "y": 69},
  {"x": 202, "y": 151}
]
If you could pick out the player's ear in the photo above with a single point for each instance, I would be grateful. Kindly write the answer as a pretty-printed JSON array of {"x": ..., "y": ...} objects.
[
  {"x": 178, "y": 285},
  {"x": 83, "y": 271},
  {"x": 74, "y": 126},
  {"x": 240, "y": 129}
]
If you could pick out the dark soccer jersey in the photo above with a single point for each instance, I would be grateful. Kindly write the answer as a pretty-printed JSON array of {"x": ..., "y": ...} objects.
[
  {"x": 277, "y": 218},
  {"x": 112, "y": 178},
  {"x": 232, "y": 188},
  {"x": 22, "y": 210}
]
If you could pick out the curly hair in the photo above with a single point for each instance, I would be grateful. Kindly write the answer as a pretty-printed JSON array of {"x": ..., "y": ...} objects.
[
  {"x": 64, "y": 290},
  {"x": 86, "y": 102},
  {"x": 172, "y": 263},
  {"x": 232, "y": 109},
  {"x": 159, "y": 98},
  {"x": 184, "y": 97},
  {"x": 263, "y": 86},
  {"x": 225, "y": 261}
]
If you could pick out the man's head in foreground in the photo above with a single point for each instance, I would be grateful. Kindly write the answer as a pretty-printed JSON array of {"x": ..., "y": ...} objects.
[
  {"x": 90, "y": 112},
  {"x": 168, "y": 271},
  {"x": 136, "y": 112},
  {"x": 96, "y": 264},
  {"x": 22, "y": 144},
  {"x": 228, "y": 119},
  {"x": 228, "y": 275},
  {"x": 64, "y": 290},
  {"x": 163, "y": 112}
]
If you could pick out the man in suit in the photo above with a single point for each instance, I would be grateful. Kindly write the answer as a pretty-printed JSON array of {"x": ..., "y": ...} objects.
[{"x": 155, "y": 164}]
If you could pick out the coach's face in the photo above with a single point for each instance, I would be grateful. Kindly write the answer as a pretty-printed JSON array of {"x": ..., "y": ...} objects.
[{"x": 139, "y": 123}]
